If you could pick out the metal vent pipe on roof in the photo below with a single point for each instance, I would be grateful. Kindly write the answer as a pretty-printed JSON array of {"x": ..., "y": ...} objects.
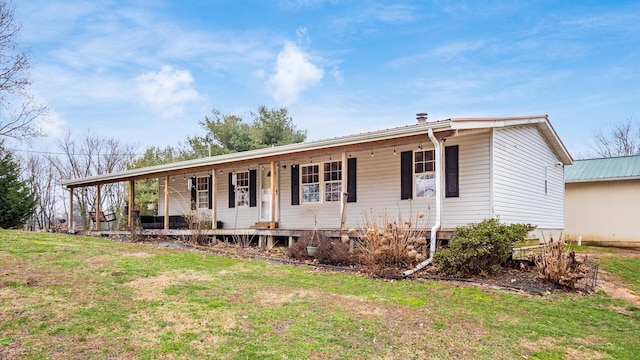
[{"x": 422, "y": 117}]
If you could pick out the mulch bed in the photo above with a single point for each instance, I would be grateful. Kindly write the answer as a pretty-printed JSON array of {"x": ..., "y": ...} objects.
[{"x": 517, "y": 277}]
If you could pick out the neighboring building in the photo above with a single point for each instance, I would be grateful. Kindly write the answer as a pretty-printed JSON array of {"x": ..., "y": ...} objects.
[
  {"x": 603, "y": 201},
  {"x": 456, "y": 170}
]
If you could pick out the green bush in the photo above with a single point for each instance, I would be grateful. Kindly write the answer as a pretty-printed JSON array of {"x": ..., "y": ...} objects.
[{"x": 480, "y": 248}]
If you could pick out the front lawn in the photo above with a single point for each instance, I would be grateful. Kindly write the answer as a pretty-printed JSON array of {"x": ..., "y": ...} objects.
[{"x": 65, "y": 296}]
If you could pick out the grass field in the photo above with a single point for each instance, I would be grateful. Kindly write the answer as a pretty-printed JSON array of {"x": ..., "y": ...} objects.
[{"x": 72, "y": 297}]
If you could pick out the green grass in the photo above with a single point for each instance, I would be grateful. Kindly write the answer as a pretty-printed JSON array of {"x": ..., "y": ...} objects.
[
  {"x": 628, "y": 270},
  {"x": 75, "y": 297},
  {"x": 591, "y": 249}
]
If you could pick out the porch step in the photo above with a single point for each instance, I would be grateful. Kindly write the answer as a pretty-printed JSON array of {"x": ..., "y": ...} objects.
[{"x": 263, "y": 225}]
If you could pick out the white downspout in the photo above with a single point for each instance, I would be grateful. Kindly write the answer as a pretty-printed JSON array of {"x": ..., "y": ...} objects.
[{"x": 436, "y": 226}]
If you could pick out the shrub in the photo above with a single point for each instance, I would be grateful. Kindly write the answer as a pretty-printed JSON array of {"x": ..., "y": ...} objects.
[
  {"x": 390, "y": 241},
  {"x": 557, "y": 266},
  {"x": 480, "y": 248},
  {"x": 298, "y": 250},
  {"x": 334, "y": 252}
]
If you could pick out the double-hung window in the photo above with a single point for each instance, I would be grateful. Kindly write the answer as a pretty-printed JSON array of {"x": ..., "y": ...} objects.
[
  {"x": 242, "y": 188},
  {"x": 332, "y": 181},
  {"x": 310, "y": 180},
  {"x": 424, "y": 170},
  {"x": 321, "y": 183},
  {"x": 202, "y": 189}
]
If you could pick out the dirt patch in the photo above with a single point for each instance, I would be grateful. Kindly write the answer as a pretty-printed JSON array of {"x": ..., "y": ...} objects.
[
  {"x": 137, "y": 255},
  {"x": 616, "y": 289},
  {"x": 151, "y": 288}
]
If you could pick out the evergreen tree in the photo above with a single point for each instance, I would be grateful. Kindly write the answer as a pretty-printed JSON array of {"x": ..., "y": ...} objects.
[
  {"x": 17, "y": 201},
  {"x": 230, "y": 133}
]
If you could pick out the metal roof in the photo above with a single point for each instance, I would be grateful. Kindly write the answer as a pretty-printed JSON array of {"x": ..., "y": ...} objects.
[
  {"x": 541, "y": 121},
  {"x": 290, "y": 149},
  {"x": 603, "y": 169}
]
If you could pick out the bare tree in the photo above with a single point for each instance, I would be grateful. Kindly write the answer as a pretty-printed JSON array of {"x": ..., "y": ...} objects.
[
  {"x": 18, "y": 108},
  {"x": 43, "y": 179},
  {"x": 89, "y": 156},
  {"x": 621, "y": 140}
]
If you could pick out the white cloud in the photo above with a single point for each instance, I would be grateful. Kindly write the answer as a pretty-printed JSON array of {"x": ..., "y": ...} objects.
[
  {"x": 337, "y": 74},
  {"x": 293, "y": 73},
  {"x": 168, "y": 90}
]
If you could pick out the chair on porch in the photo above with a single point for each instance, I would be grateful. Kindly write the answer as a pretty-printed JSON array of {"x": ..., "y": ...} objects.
[{"x": 104, "y": 218}]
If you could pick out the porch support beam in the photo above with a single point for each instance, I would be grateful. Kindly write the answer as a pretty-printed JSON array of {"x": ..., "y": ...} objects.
[
  {"x": 166, "y": 202},
  {"x": 97, "y": 207},
  {"x": 343, "y": 197},
  {"x": 272, "y": 220},
  {"x": 70, "y": 220},
  {"x": 132, "y": 197},
  {"x": 214, "y": 199}
]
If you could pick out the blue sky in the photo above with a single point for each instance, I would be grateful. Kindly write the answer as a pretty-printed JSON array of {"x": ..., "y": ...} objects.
[{"x": 147, "y": 72}]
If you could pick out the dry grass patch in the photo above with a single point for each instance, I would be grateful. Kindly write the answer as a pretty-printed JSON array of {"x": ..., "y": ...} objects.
[
  {"x": 547, "y": 347},
  {"x": 151, "y": 288},
  {"x": 202, "y": 330}
]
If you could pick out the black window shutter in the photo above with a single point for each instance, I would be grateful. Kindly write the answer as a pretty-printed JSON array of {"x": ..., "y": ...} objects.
[
  {"x": 406, "y": 175},
  {"x": 351, "y": 180},
  {"x": 253, "y": 187},
  {"x": 295, "y": 185},
  {"x": 232, "y": 194},
  {"x": 210, "y": 187},
  {"x": 194, "y": 204},
  {"x": 451, "y": 171}
]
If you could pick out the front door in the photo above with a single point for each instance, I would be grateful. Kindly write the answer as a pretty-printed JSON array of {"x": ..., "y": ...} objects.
[{"x": 265, "y": 193}]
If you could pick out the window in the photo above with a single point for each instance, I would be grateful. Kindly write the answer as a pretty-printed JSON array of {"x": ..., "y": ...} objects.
[
  {"x": 423, "y": 168},
  {"x": 242, "y": 188},
  {"x": 310, "y": 180},
  {"x": 332, "y": 181},
  {"x": 202, "y": 189},
  {"x": 325, "y": 186}
]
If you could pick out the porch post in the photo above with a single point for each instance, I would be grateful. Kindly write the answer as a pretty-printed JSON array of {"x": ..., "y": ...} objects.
[
  {"x": 132, "y": 202},
  {"x": 166, "y": 202},
  {"x": 70, "y": 221},
  {"x": 343, "y": 196},
  {"x": 214, "y": 201},
  {"x": 98, "y": 199},
  {"x": 272, "y": 223}
]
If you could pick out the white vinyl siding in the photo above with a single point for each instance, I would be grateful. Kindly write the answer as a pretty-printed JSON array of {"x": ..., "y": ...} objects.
[
  {"x": 521, "y": 156},
  {"x": 378, "y": 187},
  {"x": 474, "y": 201},
  {"x": 179, "y": 195},
  {"x": 239, "y": 217}
]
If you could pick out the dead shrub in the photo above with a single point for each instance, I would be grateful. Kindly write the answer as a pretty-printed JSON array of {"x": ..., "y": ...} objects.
[
  {"x": 391, "y": 241},
  {"x": 298, "y": 250},
  {"x": 242, "y": 240},
  {"x": 334, "y": 252},
  {"x": 560, "y": 267},
  {"x": 197, "y": 223}
]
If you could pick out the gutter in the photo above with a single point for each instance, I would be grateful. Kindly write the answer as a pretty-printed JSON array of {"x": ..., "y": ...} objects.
[{"x": 436, "y": 226}]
